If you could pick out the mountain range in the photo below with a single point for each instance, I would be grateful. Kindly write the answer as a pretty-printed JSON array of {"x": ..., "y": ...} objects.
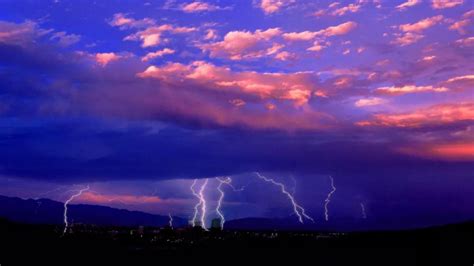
[{"x": 46, "y": 211}]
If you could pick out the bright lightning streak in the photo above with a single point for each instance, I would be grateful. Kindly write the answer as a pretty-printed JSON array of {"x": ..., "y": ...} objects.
[
  {"x": 328, "y": 199},
  {"x": 362, "y": 208},
  {"x": 203, "y": 205},
  {"x": 226, "y": 181},
  {"x": 298, "y": 210},
  {"x": 196, "y": 210},
  {"x": 170, "y": 221},
  {"x": 79, "y": 193}
]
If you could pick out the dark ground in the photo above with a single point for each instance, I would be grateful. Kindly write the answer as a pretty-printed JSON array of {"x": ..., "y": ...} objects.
[{"x": 23, "y": 244}]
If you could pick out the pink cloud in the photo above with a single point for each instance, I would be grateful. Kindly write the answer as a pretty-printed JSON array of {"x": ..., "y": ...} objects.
[
  {"x": 318, "y": 46},
  {"x": 340, "y": 29},
  {"x": 273, "y": 6},
  {"x": 296, "y": 87},
  {"x": 122, "y": 21},
  {"x": 407, "y": 4},
  {"x": 198, "y": 6},
  {"x": 158, "y": 53},
  {"x": 334, "y": 9},
  {"x": 65, "y": 39},
  {"x": 451, "y": 151},
  {"x": 468, "y": 14},
  {"x": 320, "y": 43},
  {"x": 29, "y": 32},
  {"x": 434, "y": 115},
  {"x": 462, "y": 78},
  {"x": 237, "y": 102},
  {"x": 238, "y": 45},
  {"x": 460, "y": 26},
  {"x": 300, "y": 36},
  {"x": 284, "y": 56},
  {"x": 186, "y": 98},
  {"x": 97, "y": 198},
  {"x": 412, "y": 33},
  {"x": 211, "y": 34},
  {"x": 466, "y": 42},
  {"x": 152, "y": 36},
  {"x": 421, "y": 25},
  {"x": 461, "y": 83},
  {"x": 21, "y": 33},
  {"x": 428, "y": 58},
  {"x": 105, "y": 58},
  {"x": 369, "y": 102},
  {"x": 407, "y": 89},
  {"x": 408, "y": 38},
  {"x": 352, "y": 8},
  {"x": 441, "y": 4}
]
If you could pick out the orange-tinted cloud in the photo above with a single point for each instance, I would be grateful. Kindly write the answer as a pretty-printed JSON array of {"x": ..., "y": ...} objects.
[
  {"x": 295, "y": 87},
  {"x": 237, "y": 102},
  {"x": 300, "y": 36},
  {"x": 318, "y": 46},
  {"x": 238, "y": 45},
  {"x": 122, "y": 21},
  {"x": 369, "y": 102},
  {"x": 94, "y": 197},
  {"x": 461, "y": 78},
  {"x": 158, "y": 53},
  {"x": 460, "y": 26},
  {"x": 434, "y": 115},
  {"x": 457, "y": 151},
  {"x": 152, "y": 36},
  {"x": 273, "y": 6},
  {"x": 421, "y": 25},
  {"x": 351, "y": 8},
  {"x": 28, "y": 32},
  {"x": 466, "y": 42},
  {"x": 408, "y": 4},
  {"x": 407, "y": 89},
  {"x": 211, "y": 34},
  {"x": 441, "y": 4},
  {"x": 198, "y": 6},
  {"x": 412, "y": 33},
  {"x": 105, "y": 58},
  {"x": 335, "y": 9},
  {"x": 407, "y": 38},
  {"x": 340, "y": 29}
]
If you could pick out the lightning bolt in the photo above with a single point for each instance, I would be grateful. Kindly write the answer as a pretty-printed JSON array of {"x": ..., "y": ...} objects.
[
  {"x": 201, "y": 203},
  {"x": 362, "y": 208},
  {"x": 328, "y": 199},
  {"x": 226, "y": 181},
  {"x": 297, "y": 209},
  {"x": 170, "y": 221},
  {"x": 196, "y": 210},
  {"x": 79, "y": 193}
]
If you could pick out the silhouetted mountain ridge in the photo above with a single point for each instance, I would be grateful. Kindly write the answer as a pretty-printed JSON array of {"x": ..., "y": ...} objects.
[{"x": 45, "y": 211}]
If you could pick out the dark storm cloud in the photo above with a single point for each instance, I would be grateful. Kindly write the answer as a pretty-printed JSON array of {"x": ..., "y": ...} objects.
[
  {"x": 56, "y": 128},
  {"x": 86, "y": 150}
]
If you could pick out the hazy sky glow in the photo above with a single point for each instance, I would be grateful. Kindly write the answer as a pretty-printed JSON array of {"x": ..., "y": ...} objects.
[{"x": 137, "y": 99}]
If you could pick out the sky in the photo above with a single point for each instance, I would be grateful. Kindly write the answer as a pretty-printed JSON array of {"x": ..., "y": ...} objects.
[{"x": 139, "y": 98}]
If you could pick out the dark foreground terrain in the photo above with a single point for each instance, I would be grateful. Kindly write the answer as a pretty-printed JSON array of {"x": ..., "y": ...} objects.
[{"x": 23, "y": 244}]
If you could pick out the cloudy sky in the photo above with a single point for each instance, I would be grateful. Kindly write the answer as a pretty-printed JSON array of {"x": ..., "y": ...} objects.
[{"x": 137, "y": 99}]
